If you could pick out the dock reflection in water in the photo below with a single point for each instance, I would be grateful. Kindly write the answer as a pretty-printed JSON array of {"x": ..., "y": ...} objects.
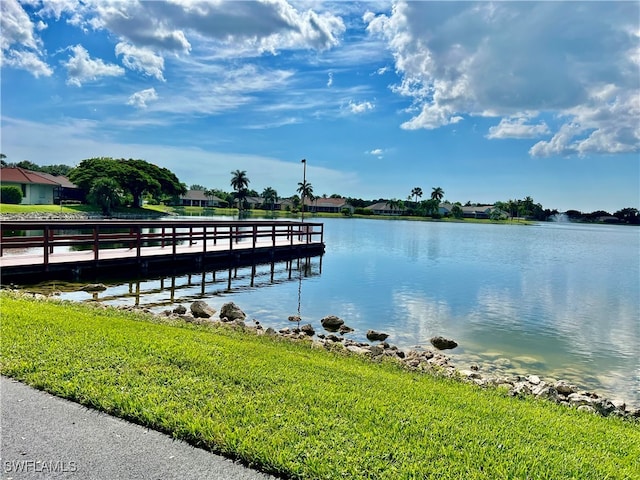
[{"x": 163, "y": 292}]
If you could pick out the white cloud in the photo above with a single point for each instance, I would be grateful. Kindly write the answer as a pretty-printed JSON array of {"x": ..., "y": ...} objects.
[
  {"x": 19, "y": 44},
  {"x": 27, "y": 61},
  {"x": 81, "y": 68},
  {"x": 172, "y": 26},
  {"x": 361, "y": 107},
  {"x": 376, "y": 152},
  {"x": 17, "y": 27},
  {"x": 517, "y": 127},
  {"x": 608, "y": 123},
  {"x": 507, "y": 58},
  {"x": 141, "y": 59},
  {"x": 140, "y": 99},
  {"x": 330, "y": 81}
]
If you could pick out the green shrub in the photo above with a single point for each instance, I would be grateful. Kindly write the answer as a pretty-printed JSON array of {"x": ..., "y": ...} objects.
[
  {"x": 10, "y": 194},
  {"x": 363, "y": 211}
]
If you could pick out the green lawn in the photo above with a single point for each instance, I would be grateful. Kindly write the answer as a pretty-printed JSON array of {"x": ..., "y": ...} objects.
[
  {"x": 299, "y": 411},
  {"x": 25, "y": 209}
]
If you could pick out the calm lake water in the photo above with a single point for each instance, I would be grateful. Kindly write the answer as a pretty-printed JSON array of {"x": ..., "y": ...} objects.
[{"x": 559, "y": 300}]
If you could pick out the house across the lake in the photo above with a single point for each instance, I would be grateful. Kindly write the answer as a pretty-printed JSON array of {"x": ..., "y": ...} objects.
[
  {"x": 383, "y": 208},
  {"x": 40, "y": 188},
  {"x": 197, "y": 198},
  {"x": 327, "y": 205}
]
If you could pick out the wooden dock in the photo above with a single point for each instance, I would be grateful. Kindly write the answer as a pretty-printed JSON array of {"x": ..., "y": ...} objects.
[{"x": 71, "y": 250}]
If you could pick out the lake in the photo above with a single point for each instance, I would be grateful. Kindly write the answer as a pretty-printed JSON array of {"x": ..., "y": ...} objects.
[{"x": 559, "y": 300}]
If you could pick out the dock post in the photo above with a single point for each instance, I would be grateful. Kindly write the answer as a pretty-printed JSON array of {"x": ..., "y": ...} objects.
[{"x": 45, "y": 234}]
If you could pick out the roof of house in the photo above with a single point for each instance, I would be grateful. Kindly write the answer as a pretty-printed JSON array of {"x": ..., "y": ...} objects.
[
  {"x": 477, "y": 208},
  {"x": 254, "y": 200},
  {"x": 59, "y": 179},
  {"x": 199, "y": 195},
  {"x": 20, "y": 175},
  {"x": 326, "y": 202},
  {"x": 381, "y": 206}
]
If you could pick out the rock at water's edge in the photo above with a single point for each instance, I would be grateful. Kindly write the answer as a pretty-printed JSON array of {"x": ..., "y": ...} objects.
[
  {"x": 442, "y": 343},
  {"x": 374, "y": 336},
  {"x": 331, "y": 323},
  {"x": 232, "y": 312},
  {"x": 200, "y": 309}
]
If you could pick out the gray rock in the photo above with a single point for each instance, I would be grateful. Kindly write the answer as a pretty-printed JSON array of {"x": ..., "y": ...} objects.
[
  {"x": 375, "y": 336},
  {"x": 521, "y": 388},
  {"x": 604, "y": 407},
  {"x": 442, "y": 343},
  {"x": 533, "y": 379},
  {"x": 295, "y": 318},
  {"x": 331, "y": 323},
  {"x": 564, "y": 388},
  {"x": 376, "y": 350},
  {"x": 357, "y": 350},
  {"x": 94, "y": 287},
  {"x": 344, "y": 328},
  {"x": 200, "y": 309},
  {"x": 546, "y": 391},
  {"x": 180, "y": 310},
  {"x": 307, "y": 330},
  {"x": 232, "y": 312},
  {"x": 579, "y": 399}
]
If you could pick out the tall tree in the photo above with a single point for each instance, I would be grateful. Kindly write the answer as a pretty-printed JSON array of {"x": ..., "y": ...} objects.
[
  {"x": 305, "y": 189},
  {"x": 105, "y": 193},
  {"x": 240, "y": 182},
  {"x": 395, "y": 204},
  {"x": 270, "y": 196},
  {"x": 136, "y": 177},
  {"x": 416, "y": 192},
  {"x": 167, "y": 181},
  {"x": 207, "y": 193},
  {"x": 437, "y": 194}
]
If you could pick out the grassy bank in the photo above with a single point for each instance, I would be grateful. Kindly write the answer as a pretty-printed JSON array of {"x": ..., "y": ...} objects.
[
  {"x": 298, "y": 411},
  {"x": 53, "y": 209}
]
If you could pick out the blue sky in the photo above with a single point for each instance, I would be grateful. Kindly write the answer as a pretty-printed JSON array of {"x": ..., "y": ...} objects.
[{"x": 489, "y": 101}]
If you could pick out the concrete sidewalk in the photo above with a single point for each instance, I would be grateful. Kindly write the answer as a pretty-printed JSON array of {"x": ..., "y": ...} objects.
[{"x": 43, "y": 436}]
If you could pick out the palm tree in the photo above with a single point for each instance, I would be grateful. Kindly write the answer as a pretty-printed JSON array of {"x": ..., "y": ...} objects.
[
  {"x": 270, "y": 196},
  {"x": 437, "y": 194},
  {"x": 395, "y": 204},
  {"x": 305, "y": 189},
  {"x": 240, "y": 182},
  {"x": 209, "y": 194},
  {"x": 416, "y": 192}
]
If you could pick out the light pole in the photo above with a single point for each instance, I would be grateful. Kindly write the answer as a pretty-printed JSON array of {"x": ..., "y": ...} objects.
[{"x": 304, "y": 183}]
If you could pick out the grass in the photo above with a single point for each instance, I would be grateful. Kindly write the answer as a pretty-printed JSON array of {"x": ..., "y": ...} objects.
[
  {"x": 291, "y": 409},
  {"x": 24, "y": 209}
]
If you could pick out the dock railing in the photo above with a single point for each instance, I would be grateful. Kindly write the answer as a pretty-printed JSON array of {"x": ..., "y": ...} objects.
[{"x": 20, "y": 237}]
